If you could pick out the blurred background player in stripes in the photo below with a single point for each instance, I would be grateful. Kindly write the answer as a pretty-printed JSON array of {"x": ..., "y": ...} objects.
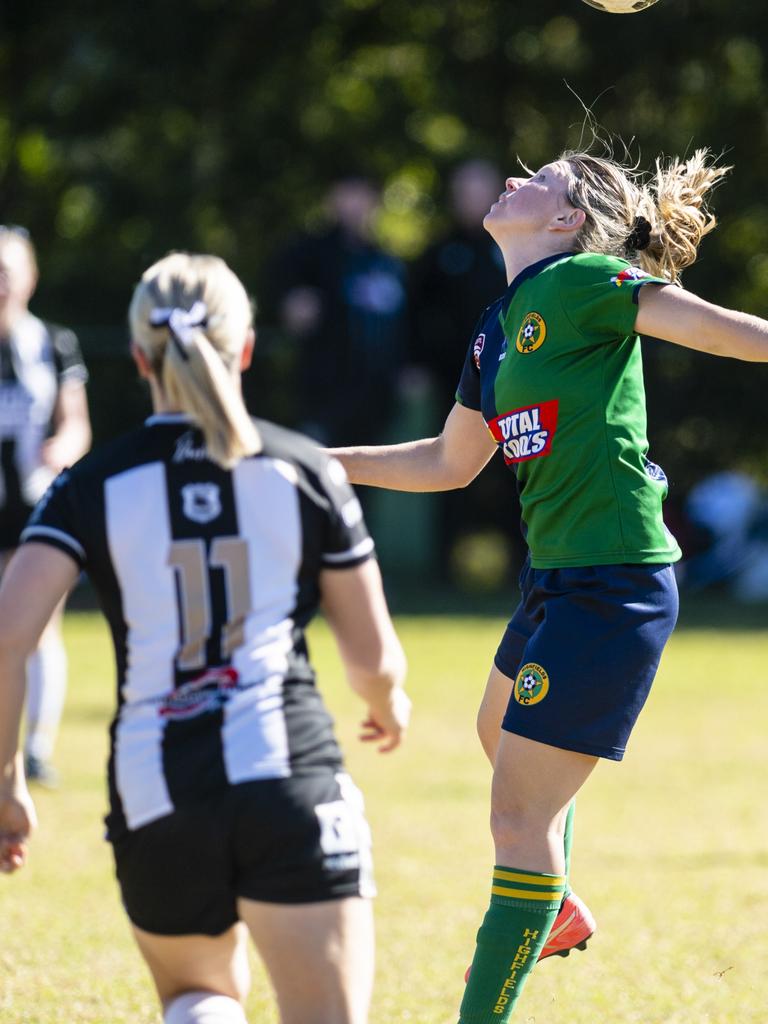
[{"x": 44, "y": 426}]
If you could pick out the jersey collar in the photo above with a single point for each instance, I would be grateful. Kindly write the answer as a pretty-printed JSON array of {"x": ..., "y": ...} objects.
[
  {"x": 166, "y": 417},
  {"x": 532, "y": 271}
]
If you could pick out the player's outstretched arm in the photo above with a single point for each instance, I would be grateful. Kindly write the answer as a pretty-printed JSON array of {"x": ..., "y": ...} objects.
[
  {"x": 72, "y": 437},
  {"x": 37, "y": 578},
  {"x": 354, "y": 604},
  {"x": 443, "y": 463},
  {"x": 678, "y": 316}
]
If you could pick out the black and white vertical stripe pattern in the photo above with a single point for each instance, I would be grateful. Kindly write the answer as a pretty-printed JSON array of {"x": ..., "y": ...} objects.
[{"x": 205, "y": 572}]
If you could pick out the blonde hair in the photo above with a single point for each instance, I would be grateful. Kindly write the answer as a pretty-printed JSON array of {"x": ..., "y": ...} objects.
[
  {"x": 198, "y": 371},
  {"x": 655, "y": 221}
]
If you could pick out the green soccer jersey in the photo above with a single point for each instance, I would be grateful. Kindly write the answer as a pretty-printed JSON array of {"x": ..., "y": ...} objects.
[{"x": 556, "y": 370}]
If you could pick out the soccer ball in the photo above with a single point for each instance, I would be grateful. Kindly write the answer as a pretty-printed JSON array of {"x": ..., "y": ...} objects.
[{"x": 620, "y": 6}]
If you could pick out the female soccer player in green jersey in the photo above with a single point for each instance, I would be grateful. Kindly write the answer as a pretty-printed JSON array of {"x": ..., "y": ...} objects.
[{"x": 553, "y": 378}]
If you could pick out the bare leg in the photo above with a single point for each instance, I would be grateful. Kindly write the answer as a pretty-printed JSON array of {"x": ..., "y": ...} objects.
[
  {"x": 489, "y": 718},
  {"x": 533, "y": 784},
  {"x": 491, "y": 711},
  {"x": 329, "y": 946},
  {"x": 186, "y": 963}
]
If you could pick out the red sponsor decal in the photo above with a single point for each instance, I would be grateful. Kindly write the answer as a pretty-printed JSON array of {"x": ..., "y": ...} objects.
[
  {"x": 207, "y": 692},
  {"x": 527, "y": 433},
  {"x": 630, "y": 274}
]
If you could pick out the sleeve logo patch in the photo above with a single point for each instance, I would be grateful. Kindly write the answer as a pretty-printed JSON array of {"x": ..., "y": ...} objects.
[
  {"x": 531, "y": 685},
  {"x": 525, "y": 433},
  {"x": 477, "y": 348},
  {"x": 532, "y": 333},
  {"x": 630, "y": 274}
]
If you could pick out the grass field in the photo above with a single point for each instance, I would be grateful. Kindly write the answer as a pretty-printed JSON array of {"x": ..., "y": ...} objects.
[{"x": 671, "y": 850}]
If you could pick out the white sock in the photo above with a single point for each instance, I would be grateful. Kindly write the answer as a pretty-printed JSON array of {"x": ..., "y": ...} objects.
[
  {"x": 204, "y": 1008},
  {"x": 46, "y": 689}
]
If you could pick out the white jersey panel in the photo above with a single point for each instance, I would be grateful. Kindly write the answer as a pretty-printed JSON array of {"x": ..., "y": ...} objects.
[
  {"x": 139, "y": 774},
  {"x": 269, "y": 520},
  {"x": 139, "y": 537},
  {"x": 254, "y": 734}
]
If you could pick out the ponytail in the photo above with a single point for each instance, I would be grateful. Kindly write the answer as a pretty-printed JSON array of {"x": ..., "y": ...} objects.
[
  {"x": 657, "y": 223},
  {"x": 678, "y": 197},
  {"x": 201, "y": 386},
  {"x": 191, "y": 316}
]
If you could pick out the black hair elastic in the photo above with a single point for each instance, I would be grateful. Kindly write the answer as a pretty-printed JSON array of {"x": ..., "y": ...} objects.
[{"x": 639, "y": 237}]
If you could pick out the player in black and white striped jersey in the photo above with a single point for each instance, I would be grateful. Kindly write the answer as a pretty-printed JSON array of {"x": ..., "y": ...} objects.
[
  {"x": 44, "y": 426},
  {"x": 211, "y": 539}
]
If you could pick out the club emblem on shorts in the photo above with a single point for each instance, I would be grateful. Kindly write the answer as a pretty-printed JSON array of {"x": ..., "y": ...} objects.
[
  {"x": 531, "y": 685},
  {"x": 477, "y": 348},
  {"x": 531, "y": 334},
  {"x": 202, "y": 502}
]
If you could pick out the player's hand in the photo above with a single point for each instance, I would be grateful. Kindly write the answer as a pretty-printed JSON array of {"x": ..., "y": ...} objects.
[
  {"x": 17, "y": 821},
  {"x": 387, "y": 724}
]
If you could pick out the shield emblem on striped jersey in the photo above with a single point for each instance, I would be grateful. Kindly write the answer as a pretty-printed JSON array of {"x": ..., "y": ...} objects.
[{"x": 201, "y": 502}]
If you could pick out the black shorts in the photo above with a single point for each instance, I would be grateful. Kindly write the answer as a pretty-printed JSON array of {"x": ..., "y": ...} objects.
[
  {"x": 13, "y": 519},
  {"x": 303, "y": 839},
  {"x": 583, "y": 648}
]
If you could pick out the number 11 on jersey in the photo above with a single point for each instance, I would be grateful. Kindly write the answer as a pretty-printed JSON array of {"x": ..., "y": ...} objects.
[{"x": 193, "y": 565}]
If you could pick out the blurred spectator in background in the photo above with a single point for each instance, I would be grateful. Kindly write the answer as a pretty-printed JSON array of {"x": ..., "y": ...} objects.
[
  {"x": 461, "y": 273},
  {"x": 727, "y": 517},
  {"x": 44, "y": 426},
  {"x": 458, "y": 275},
  {"x": 343, "y": 300}
]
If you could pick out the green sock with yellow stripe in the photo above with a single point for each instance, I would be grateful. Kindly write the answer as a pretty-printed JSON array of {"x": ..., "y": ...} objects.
[{"x": 523, "y": 906}]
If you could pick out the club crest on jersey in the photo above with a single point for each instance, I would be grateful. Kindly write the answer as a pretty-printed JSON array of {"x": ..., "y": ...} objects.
[
  {"x": 532, "y": 333},
  {"x": 531, "y": 685},
  {"x": 630, "y": 274},
  {"x": 201, "y": 502},
  {"x": 527, "y": 433},
  {"x": 477, "y": 348}
]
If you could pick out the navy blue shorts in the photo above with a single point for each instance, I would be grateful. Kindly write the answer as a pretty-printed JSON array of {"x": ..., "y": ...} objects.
[{"x": 583, "y": 648}]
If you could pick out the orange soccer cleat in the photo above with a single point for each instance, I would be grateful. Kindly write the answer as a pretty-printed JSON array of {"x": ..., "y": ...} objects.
[{"x": 573, "y": 927}]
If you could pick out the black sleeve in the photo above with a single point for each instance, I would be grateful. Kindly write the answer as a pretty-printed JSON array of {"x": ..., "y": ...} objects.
[
  {"x": 346, "y": 541},
  {"x": 468, "y": 391},
  {"x": 67, "y": 355},
  {"x": 54, "y": 518}
]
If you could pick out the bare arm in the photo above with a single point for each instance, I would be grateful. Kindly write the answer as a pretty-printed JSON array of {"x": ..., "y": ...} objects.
[
  {"x": 443, "y": 463},
  {"x": 356, "y": 609},
  {"x": 72, "y": 437},
  {"x": 37, "y": 578},
  {"x": 680, "y": 317}
]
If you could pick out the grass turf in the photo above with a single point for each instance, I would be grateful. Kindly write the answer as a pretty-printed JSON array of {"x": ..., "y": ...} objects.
[{"x": 671, "y": 849}]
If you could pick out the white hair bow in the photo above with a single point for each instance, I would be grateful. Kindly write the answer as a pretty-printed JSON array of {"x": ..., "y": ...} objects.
[{"x": 181, "y": 323}]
